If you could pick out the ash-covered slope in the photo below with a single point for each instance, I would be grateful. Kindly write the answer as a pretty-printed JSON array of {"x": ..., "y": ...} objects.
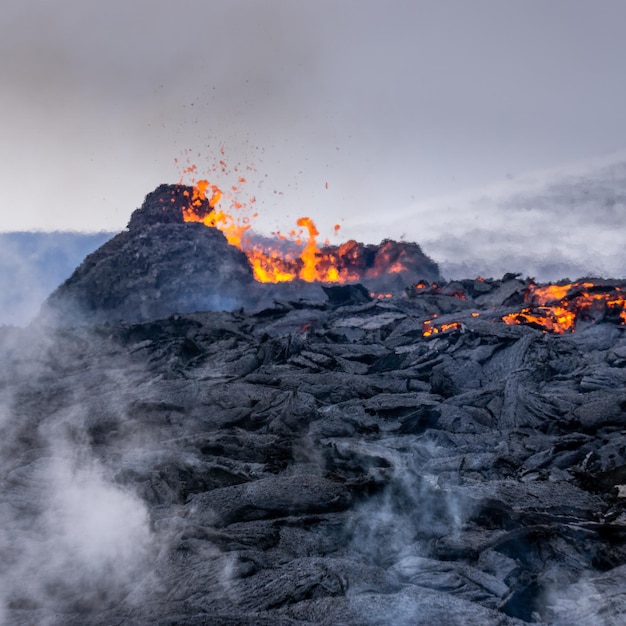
[
  {"x": 158, "y": 266},
  {"x": 316, "y": 464},
  {"x": 161, "y": 265}
]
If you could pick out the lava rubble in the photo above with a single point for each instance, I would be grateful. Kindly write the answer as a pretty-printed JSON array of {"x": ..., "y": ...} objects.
[{"x": 323, "y": 457}]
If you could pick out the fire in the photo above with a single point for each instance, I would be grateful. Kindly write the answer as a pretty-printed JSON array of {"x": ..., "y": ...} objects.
[
  {"x": 555, "y": 319},
  {"x": 558, "y": 308},
  {"x": 552, "y": 293},
  {"x": 233, "y": 230},
  {"x": 309, "y": 271},
  {"x": 302, "y": 259},
  {"x": 297, "y": 256},
  {"x": 269, "y": 266}
]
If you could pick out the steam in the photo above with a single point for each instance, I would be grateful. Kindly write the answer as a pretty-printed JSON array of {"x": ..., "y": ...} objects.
[
  {"x": 81, "y": 544},
  {"x": 33, "y": 264},
  {"x": 557, "y": 224},
  {"x": 72, "y": 538},
  {"x": 590, "y": 601},
  {"x": 410, "y": 512}
]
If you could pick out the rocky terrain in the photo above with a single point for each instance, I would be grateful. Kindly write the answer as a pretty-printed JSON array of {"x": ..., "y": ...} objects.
[{"x": 333, "y": 458}]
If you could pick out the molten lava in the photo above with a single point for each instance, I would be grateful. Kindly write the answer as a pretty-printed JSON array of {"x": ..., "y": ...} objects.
[
  {"x": 295, "y": 257},
  {"x": 429, "y": 327},
  {"x": 558, "y": 308},
  {"x": 273, "y": 265}
]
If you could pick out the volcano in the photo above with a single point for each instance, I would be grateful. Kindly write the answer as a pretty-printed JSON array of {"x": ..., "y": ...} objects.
[
  {"x": 183, "y": 443},
  {"x": 168, "y": 261}
]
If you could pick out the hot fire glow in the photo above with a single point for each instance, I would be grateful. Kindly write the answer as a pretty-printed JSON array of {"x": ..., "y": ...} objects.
[
  {"x": 304, "y": 260},
  {"x": 551, "y": 308},
  {"x": 557, "y": 308}
]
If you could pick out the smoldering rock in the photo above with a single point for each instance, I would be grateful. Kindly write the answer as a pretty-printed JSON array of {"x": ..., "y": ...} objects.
[
  {"x": 270, "y": 497},
  {"x": 136, "y": 276},
  {"x": 165, "y": 205},
  {"x": 347, "y": 294}
]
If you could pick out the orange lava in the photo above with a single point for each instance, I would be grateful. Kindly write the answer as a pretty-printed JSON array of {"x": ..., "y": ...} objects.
[
  {"x": 429, "y": 328},
  {"x": 233, "y": 229},
  {"x": 558, "y": 308},
  {"x": 304, "y": 259},
  {"x": 554, "y": 319},
  {"x": 295, "y": 256}
]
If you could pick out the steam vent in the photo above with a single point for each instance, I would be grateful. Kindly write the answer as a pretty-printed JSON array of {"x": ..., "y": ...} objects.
[{"x": 183, "y": 443}]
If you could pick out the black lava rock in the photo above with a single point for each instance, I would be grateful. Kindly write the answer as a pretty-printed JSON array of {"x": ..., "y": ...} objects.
[{"x": 144, "y": 274}]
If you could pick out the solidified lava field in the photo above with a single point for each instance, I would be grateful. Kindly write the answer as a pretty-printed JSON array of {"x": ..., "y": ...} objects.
[{"x": 316, "y": 454}]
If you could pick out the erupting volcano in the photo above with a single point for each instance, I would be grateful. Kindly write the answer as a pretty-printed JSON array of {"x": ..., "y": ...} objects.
[
  {"x": 552, "y": 308},
  {"x": 183, "y": 252},
  {"x": 297, "y": 256},
  {"x": 341, "y": 432}
]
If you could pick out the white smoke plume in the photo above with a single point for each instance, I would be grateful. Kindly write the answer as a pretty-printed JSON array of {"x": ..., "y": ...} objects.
[{"x": 71, "y": 537}]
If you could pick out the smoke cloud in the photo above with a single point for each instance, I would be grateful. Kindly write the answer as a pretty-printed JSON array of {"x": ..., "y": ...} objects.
[
  {"x": 556, "y": 225},
  {"x": 71, "y": 536}
]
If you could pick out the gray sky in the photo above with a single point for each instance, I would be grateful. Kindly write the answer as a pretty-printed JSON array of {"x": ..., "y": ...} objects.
[{"x": 395, "y": 104}]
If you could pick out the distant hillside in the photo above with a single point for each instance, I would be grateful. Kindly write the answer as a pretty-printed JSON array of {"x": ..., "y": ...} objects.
[{"x": 33, "y": 264}]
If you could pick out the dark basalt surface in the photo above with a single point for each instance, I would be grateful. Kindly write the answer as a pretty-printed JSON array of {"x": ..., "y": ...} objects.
[
  {"x": 165, "y": 205},
  {"x": 158, "y": 266},
  {"x": 138, "y": 275},
  {"x": 315, "y": 463}
]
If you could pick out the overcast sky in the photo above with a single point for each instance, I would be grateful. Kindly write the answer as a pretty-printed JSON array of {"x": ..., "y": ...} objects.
[{"x": 370, "y": 111}]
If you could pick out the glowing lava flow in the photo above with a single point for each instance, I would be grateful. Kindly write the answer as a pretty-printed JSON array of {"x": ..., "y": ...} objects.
[
  {"x": 296, "y": 257},
  {"x": 557, "y": 308},
  {"x": 429, "y": 328},
  {"x": 232, "y": 229}
]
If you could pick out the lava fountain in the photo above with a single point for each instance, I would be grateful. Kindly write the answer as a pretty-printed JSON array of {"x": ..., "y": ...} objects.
[{"x": 296, "y": 256}]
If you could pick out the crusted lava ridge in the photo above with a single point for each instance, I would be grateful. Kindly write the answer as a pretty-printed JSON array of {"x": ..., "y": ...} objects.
[{"x": 318, "y": 464}]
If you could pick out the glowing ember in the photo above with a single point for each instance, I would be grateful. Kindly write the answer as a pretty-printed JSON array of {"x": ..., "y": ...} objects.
[
  {"x": 555, "y": 319},
  {"x": 557, "y": 308},
  {"x": 429, "y": 328}
]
